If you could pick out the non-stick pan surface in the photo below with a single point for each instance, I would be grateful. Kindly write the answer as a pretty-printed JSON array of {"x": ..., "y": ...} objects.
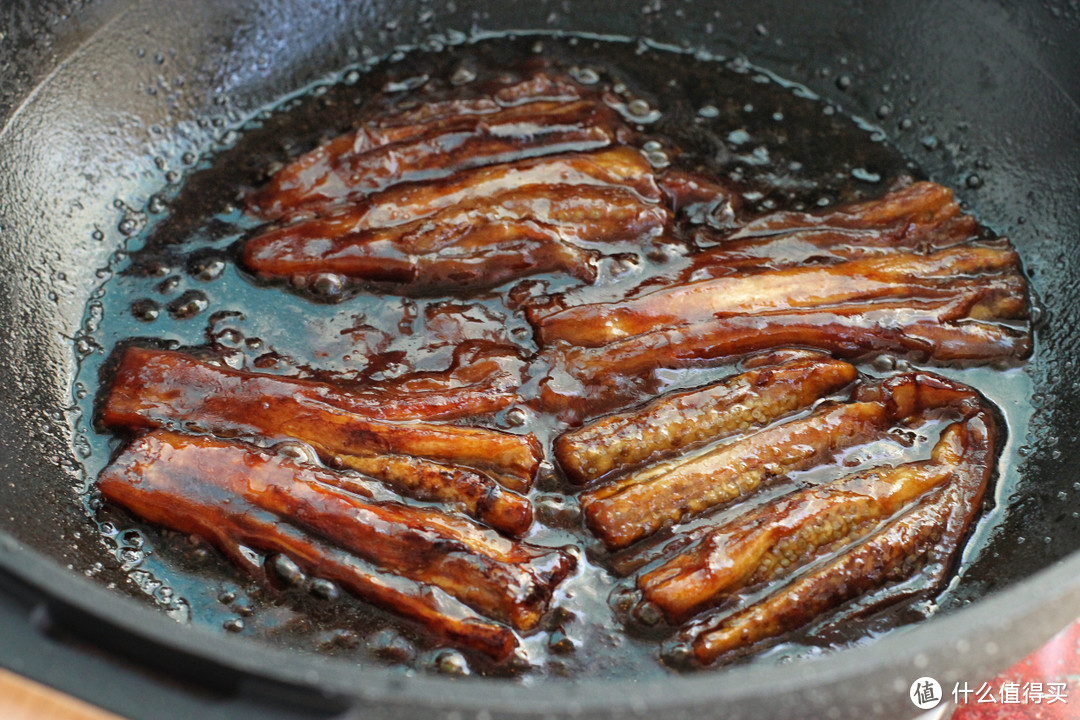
[{"x": 93, "y": 94}]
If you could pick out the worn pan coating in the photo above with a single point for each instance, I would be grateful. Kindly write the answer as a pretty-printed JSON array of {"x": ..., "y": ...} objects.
[{"x": 90, "y": 94}]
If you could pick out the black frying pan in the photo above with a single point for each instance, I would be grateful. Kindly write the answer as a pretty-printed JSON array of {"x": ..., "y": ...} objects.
[{"x": 996, "y": 86}]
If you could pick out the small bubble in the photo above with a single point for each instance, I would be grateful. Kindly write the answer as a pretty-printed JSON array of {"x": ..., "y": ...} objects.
[
  {"x": 156, "y": 205},
  {"x": 585, "y": 75},
  {"x": 226, "y": 597},
  {"x": 884, "y": 110},
  {"x": 328, "y": 286},
  {"x": 638, "y": 108},
  {"x": 206, "y": 269},
  {"x": 929, "y": 142},
  {"x": 188, "y": 158},
  {"x": 169, "y": 284},
  {"x": 906, "y": 124},
  {"x": 188, "y": 305},
  {"x": 128, "y": 226},
  {"x": 516, "y": 417},
  {"x": 299, "y": 451},
  {"x": 172, "y": 177},
  {"x": 865, "y": 175},
  {"x": 843, "y": 82},
  {"x": 974, "y": 181},
  {"x": 658, "y": 159},
  {"x": 233, "y": 625},
  {"x": 709, "y": 111},
  {"x": 287, "y": 571},
  {"x": 462, "y": 75},
  {"x": 451, "y": 662},
  {"x": 324, "y": 589},
  {"x": 145, "y": 310},
  {"x": 390, "y": 646}
]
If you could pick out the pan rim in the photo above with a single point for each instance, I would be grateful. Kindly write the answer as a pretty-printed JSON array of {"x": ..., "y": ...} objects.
[{"x": 921, "y": 648}]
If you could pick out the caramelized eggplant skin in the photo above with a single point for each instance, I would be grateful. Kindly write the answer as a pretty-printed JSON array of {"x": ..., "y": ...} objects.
[
  {"x": 475, "y": 229},
  {"x": 585, "y": 381},
  {"x": 506, "y": 580},
  {"x": 943, "y": 275},
  {"x": 153, "y": 388},
  {"x": 815, "y": 548},
  {"x": 421, "y": 564},
  {"x": 541, "y": 115}
]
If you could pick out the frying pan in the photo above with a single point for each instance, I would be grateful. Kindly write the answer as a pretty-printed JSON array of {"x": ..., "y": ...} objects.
[{"x": 93, "y": 92}]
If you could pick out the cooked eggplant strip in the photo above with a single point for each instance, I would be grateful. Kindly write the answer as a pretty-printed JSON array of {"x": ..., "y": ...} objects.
[
  {"x": 338, "y": 172},
  {"x": 941, "y": 275},
  {"x": 591, "y": 380},
  {"x": 677, "y": 421},
  {"x": 926, "y": 507},
  {"x": 291, "y": 186},
  {"x": 475, "y": 230},
  {"x": 154, "y": 388},
  {"x": 782, "y": 536},
  {"x": 888, "y": 555},
  {"x": 928, "y": 535},
  {"x": 505, "y": 580},
  {"x": 236, "y": 525},
  {"x": 639, "y": 504},
  {"x": 539, "y": 86},
  {"x": 475, "y": 245},
  {"x": 621, "y": 167}
]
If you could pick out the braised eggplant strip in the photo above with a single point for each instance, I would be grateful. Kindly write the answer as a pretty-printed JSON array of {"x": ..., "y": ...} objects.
[
  {"x": 943, "y": 274},
  {"x": 154, "y": 388},
  {"x": 888, "y": 555},
  {"x": 138, "y": 481},
  {"x": 855, "y": 533},
  {"x": 926, "y": 538},
  {"x": 639, "y": 504},
  {"x": 476, "y": 229},
  {"x": 505, "y": 580},
  {"x": 585, "y": 381},
  {"x": 337, "y": 173},
  {"x": 782, "y": 536},
  {"x": 311, "y": 179},
  {"x": 677, "y": 421},
  {"x": 458, "y": 488},
  {"x": 475, "y": 245}
]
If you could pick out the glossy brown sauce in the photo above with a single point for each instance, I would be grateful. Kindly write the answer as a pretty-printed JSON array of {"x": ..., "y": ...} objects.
[{"x": 188, "y": 284}]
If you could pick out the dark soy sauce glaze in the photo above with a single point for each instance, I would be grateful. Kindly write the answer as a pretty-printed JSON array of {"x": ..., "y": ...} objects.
[{"x": 177, "y": 285}]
